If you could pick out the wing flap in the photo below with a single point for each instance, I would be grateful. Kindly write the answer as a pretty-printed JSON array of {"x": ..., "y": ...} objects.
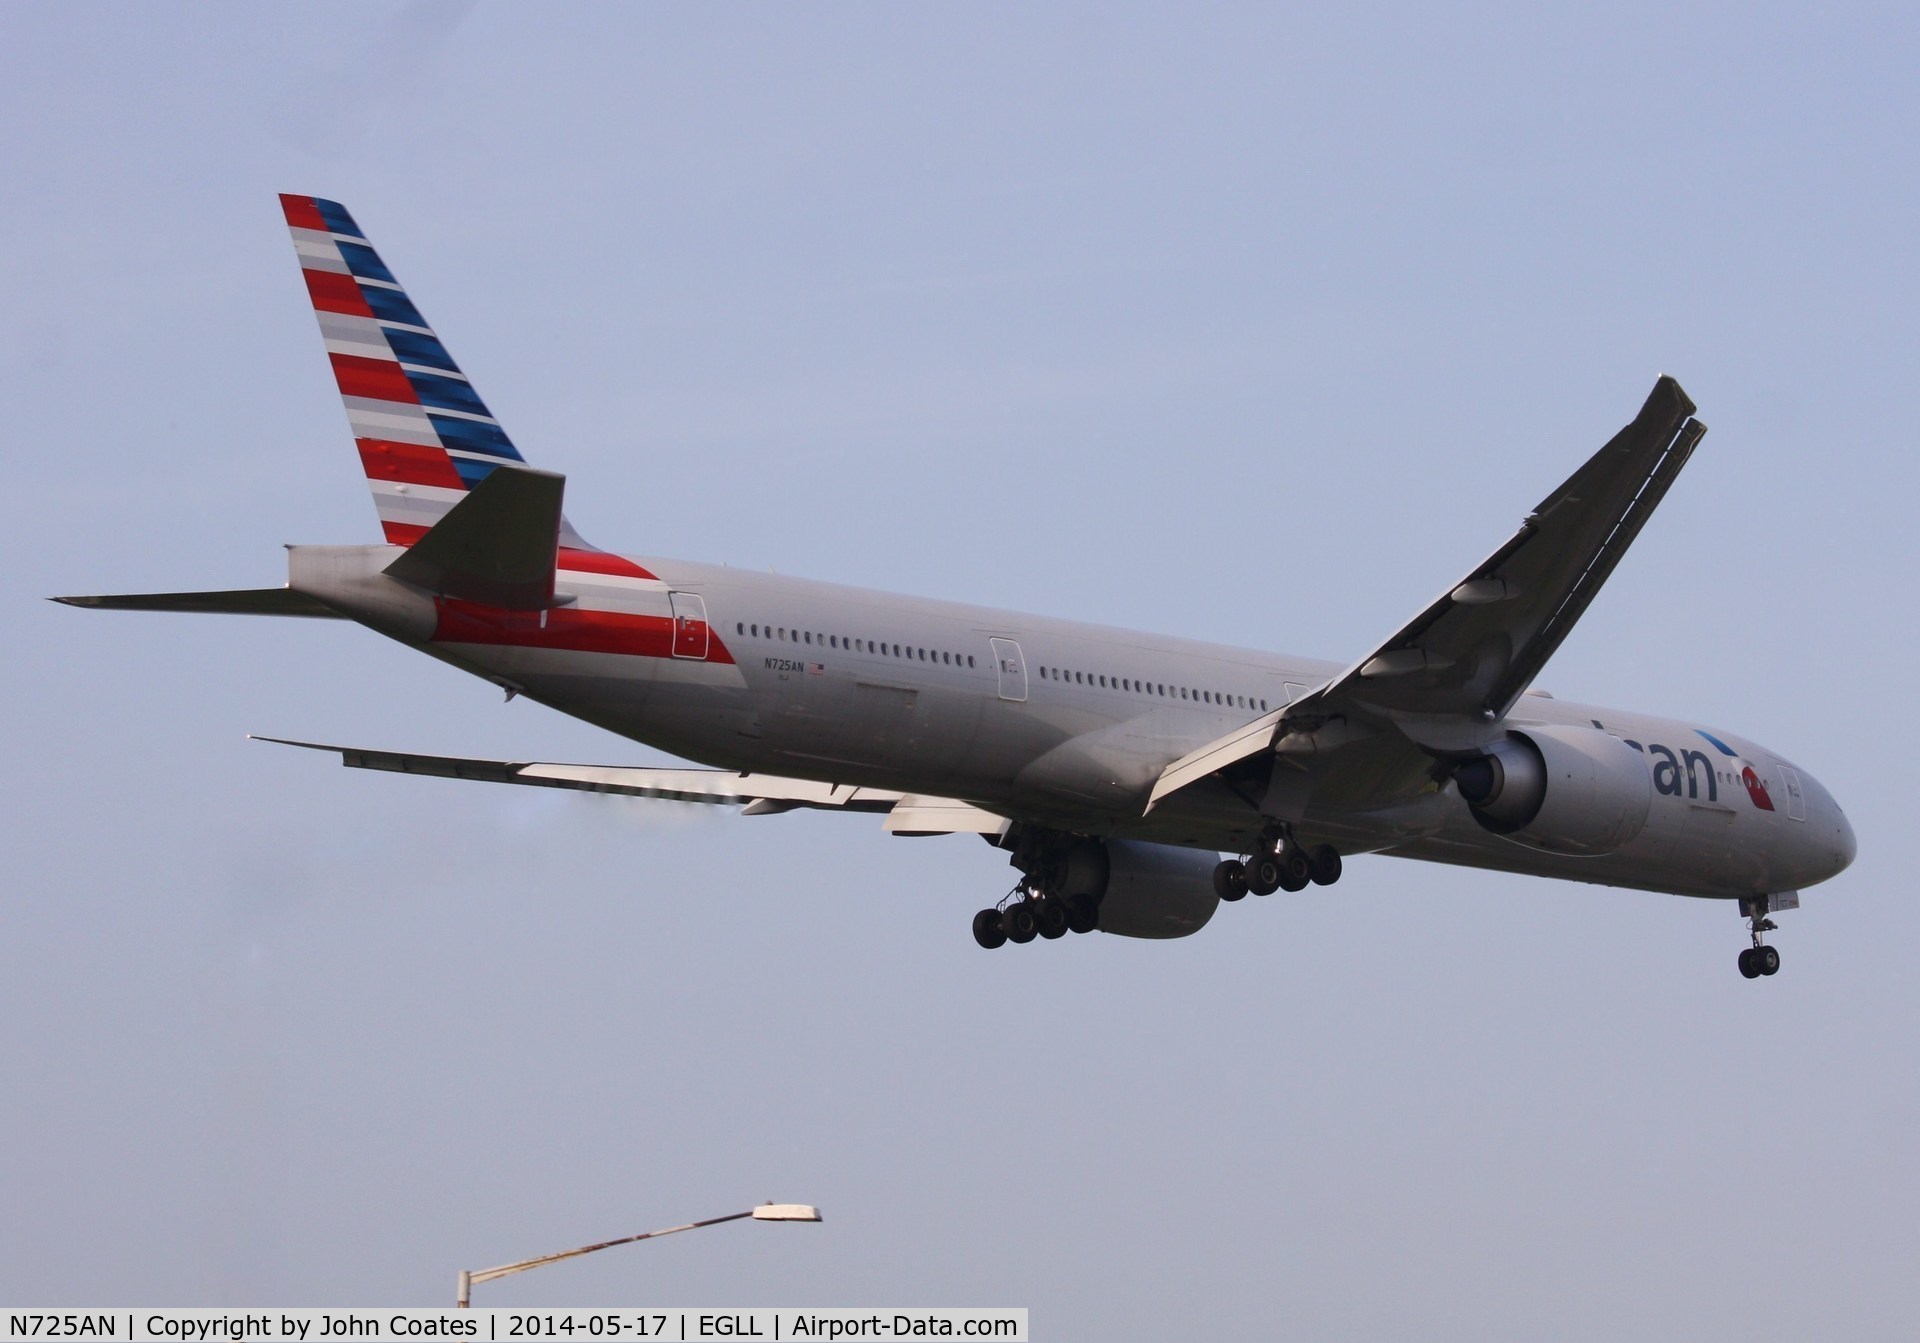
[
  {"x": 1216, "y": 755},
  {"x": 760, "y": 794},
  {"x": 1477, "y": 647},
  {"x": 1463, "y": 661},
  {"x": 919, "y": 815}
]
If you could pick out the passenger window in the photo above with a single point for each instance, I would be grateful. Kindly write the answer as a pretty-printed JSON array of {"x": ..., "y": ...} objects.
[{"x": 969, "y": 659}]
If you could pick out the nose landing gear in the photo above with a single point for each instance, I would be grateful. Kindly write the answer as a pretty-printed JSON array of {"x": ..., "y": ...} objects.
[{"x": 1758, "y": 959}]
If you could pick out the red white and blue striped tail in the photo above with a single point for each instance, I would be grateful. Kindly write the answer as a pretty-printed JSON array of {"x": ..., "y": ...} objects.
[{"x": 425, "y": 436}]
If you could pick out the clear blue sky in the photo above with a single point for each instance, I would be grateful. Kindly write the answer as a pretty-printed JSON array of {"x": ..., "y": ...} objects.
[{"x": 1224, "y": 321}]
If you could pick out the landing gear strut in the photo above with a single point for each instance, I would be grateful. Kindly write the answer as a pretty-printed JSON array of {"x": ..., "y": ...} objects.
[{"x": 1758, "y": 959}]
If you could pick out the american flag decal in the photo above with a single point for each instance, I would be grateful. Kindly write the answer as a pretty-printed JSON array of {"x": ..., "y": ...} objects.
[{"x": 816, "y": 669}]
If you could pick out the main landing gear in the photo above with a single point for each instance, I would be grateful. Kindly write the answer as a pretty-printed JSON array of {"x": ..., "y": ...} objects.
[
  {"x": 1758, "y": 959},
  {"x": 1059, "y": 892},
  {"x": 1027, "y": 914},
  {"x": 1280, "y": 864}
]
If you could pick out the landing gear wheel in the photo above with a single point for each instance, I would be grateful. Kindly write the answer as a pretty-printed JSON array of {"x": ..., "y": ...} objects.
[
  {"x": 1324, "y": 865},
  {"x": 1750, "y": 963},
  {"x": 1768, "y": 959},
  {"x": 1083, "y": 916},
  {"x": 1050, "y": 916},
  {"x": 1016, "y": 920},
  {"x": 1230, "y": 879},
  {"x": 987, "y": 930},
  {"x": 1295, "y": 870},
  {"x": 1264, "y": 877}
]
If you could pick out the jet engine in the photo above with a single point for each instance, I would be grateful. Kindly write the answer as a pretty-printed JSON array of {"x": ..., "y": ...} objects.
[
  {"x": 1571, "y": 790},
  {"x": 1143, "y": 890}
]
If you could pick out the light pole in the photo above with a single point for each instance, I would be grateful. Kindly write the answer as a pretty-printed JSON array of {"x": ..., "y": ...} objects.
[{"x": 766, "y": 1212}]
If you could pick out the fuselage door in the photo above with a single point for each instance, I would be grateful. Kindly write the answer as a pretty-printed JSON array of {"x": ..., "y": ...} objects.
[
  {"x": 690, "y": 631},
  {"x": 1796, "y": 798},
  {"x": 1011, "y": 667}
]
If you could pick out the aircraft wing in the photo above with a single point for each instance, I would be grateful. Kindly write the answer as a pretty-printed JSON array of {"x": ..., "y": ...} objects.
[
  {"x": 758, "y": 794},
  {"x": 1472, "y": 652}
]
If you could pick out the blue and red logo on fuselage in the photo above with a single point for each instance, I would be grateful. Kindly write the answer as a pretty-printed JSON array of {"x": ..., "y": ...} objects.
[{"x": 1749, "y": 777}]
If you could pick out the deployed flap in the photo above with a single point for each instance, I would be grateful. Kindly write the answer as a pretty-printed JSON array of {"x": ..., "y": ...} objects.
[
  {"x": 1480, "y": 644},
  {"x": 240, "y": 602},
  {"x": 497, "y": 546},
  {"x": 680, "y": 785},
  {"x": 1217, "y": 755},
  {"x": 761, "y": 794},
  {"x": 1475, "y": 649},
  {"x": 917, "y": 815}
]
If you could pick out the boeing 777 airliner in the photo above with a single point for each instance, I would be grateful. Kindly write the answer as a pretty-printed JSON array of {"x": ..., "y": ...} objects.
[{"x": 1114, "y": 768}]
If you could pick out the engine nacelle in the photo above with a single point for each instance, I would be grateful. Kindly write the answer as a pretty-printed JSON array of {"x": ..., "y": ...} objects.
[
  {"x": 1568, "y": 790},
  {"x": 1144, "y": 890}
]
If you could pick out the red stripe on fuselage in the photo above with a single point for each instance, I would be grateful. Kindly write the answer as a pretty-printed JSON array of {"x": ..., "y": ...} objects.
[
  {"x": 408, "y": 463},
  {"x": 333, "y": 292},
  {"x": 301, "y": 212},
  {"x": 375, "y": 379},
  {"x": 565, "y": 627},
  {"x": 600, "y": 562}
]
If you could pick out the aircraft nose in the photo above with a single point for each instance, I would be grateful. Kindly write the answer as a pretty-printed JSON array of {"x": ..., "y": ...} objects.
[
  {"x": 1834, "y": 836},
  {"x": 1845, "y": 847}
]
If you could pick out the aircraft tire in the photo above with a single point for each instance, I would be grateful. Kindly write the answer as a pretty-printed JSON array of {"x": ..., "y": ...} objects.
[
  {"x": 987, "y": 930},
  {"x": 1264, "y": 877},
  {"x": 1324, "y": 865},
  {"x": 1750, "y": 963},
  {"x": 1230, "y": 879},
  {"x": 1295, "y": 871},
  {"x": 1050, "y": 917},
  {"x": 1016, "y": 921},
  {"x": 1768, "y": 959}
]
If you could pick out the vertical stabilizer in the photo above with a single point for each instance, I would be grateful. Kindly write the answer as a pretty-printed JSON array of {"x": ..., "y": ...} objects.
[{"x": 425, "y": 436}]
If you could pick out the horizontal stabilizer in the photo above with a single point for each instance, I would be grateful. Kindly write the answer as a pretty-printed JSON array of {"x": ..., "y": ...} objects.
[
  {"x": 497, "y": 546},
  {"x": 242, "y": 602}
]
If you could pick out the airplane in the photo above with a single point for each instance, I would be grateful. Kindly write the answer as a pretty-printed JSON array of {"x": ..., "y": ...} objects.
[{"x": 1114, "y": 768}]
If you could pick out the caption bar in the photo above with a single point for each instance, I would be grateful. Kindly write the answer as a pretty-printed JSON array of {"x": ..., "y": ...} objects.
[{"x": 510, "y": 1326}]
